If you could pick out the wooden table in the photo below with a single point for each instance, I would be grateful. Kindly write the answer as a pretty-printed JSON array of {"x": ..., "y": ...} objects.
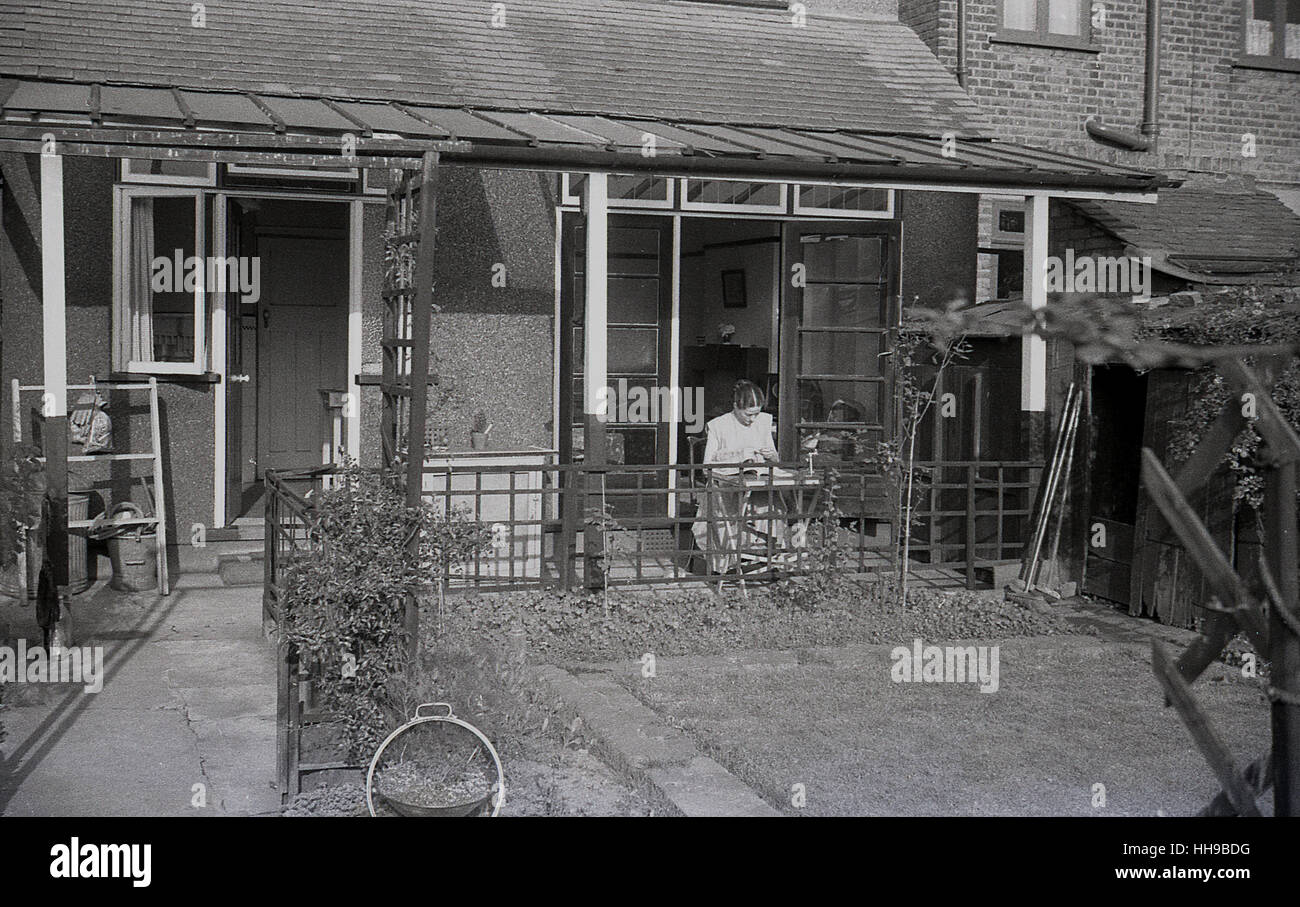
[{"x": 768, "y": 482}]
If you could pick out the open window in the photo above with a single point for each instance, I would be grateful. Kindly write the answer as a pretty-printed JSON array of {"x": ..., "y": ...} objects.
[{"x": 159, "y": 315}]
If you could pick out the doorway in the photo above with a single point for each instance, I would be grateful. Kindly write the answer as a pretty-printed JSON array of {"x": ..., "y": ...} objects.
[
  {"x": 288, "y": 344},
  {"x": 803, "y": 309},
  {"x": 1119, "y": 396}
]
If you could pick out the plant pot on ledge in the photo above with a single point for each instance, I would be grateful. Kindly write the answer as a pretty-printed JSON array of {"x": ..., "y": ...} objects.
[{"x": 478, "y": 433}]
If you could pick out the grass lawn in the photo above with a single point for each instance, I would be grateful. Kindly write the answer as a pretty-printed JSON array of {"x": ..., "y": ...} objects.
[{"x": 1070, "y": 712}]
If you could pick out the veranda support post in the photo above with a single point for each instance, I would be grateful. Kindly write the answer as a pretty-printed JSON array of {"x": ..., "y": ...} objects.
[
  {"x": 54, "y": 401},
  {"x": 594, "y": 368},
  {"x": 1033, "y": 357}
]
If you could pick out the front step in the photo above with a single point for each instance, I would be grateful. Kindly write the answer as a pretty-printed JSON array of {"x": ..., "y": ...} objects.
[
  {"x": 242, "y": 569},
  {"x": 209, "y": 558}
]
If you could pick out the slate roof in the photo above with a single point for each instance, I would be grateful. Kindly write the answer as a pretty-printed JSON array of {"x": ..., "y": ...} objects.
[
  {"x": 1206, "y": 231},
  {"x": 650, "y": 58}
]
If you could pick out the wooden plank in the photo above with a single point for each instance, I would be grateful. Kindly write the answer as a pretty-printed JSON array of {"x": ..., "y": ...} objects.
[
  {"x": 1109, "y": 579},
  {"x": 1259, "y": 775},
  {"x": 1239, "y": 793},
  {"x": 1223, "y": 580},
  {"x": 159, "y": 491},
  {"x": 1166, "y": 399},
  {"x": 1283, "y": 562}
]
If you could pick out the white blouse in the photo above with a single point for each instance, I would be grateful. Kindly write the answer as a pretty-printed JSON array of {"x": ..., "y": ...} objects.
[{"x": 731, "y": 442}]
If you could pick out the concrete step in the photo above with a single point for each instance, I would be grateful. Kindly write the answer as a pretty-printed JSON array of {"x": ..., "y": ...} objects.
[
  {"x": 208, "y": 558},
  {"x": 242, "y": 569}
]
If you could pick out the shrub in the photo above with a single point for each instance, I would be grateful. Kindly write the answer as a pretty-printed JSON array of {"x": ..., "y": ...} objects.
[
  {"x": 345, "y": 605},
  {"x": 22, "y": 492}
]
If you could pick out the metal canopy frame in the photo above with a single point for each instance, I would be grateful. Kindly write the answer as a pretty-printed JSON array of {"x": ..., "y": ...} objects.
[{"x": 173, "y": 123}]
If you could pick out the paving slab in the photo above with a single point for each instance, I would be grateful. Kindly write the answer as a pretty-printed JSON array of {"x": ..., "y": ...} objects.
[
  {"x": 188, "y": 699},
  {"x": 643, "y": 745}
]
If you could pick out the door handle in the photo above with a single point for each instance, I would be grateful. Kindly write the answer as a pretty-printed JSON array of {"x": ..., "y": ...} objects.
[
  {"x": 266, "y": 317},
  {"x": 239, "y": 379}
]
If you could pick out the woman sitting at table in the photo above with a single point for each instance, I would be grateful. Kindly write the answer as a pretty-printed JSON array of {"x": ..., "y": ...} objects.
[{"x": 743, "y": 435}]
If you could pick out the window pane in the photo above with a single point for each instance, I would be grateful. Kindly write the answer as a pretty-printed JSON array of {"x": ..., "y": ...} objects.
[
  {"x": 1063, "y": 16},
  {"x": 1293, "y": 29},
  {"x": 631, "y": 251},
  {"x": 633, "y": 351},
  {"x": 141, "y": 167},
  {"x": 1011, "y": 221},
  {"x": 634, "y": 300},
  {"x": 1021, "y": 15},
  {"x": 843, "y": 306},
  {"x": 1259, "y": 28},
  {"x": 161, "y": 310},
  {"x": 839, "y": 401},
  {"x": 841, "y": 258},
  {"x": 733, "y": 192},
  {"x": 638, "y": 188},
  {"x": 838, "y": 198},
  {"x": 839, "y": 353}
]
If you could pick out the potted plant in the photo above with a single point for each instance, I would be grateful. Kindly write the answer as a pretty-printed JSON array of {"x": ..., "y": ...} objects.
[
  {"x": 22, "y": 496},
  {"x": 479, "y": 431}
]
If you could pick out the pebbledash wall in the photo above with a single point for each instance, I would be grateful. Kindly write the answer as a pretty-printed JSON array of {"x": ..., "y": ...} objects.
[
  {"x": 1208, "y": 102},
  {"x": 493, "y": 344},
  {"x": 186, "y": 409}
]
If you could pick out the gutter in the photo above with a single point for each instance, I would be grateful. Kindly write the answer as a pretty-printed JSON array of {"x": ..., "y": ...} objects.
[
  {"x": 784, "y": 170},
  {"x": 1150, "y": 130}
]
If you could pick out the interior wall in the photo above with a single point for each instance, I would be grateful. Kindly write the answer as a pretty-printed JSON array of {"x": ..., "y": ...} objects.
[{"x": 711, "y": 246}]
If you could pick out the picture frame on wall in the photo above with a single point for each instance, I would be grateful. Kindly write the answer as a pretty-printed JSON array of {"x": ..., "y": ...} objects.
[{"x": 733, "y": 289}]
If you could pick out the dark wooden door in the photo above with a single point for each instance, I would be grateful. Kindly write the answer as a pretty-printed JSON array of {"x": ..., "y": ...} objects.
[{"x": 302, "y": 345}]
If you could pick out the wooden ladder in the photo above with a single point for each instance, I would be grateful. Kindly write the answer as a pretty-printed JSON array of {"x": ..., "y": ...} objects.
[{"x": 159, "y": 518}]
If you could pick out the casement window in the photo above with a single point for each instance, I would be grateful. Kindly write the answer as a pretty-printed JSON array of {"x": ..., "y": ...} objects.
[
  {"x": 842, "y": 201},
  {"x": 626, "y": 190},
  {"x": 759, "y": 4},
  {"x": 169, "y": 172},
  {"x": 1271, "y": 34},
  {"x": 740, "y": 197},
  {"x": 733, "y": 195},
  {"x": 1048, "y": 23},
  {"x": 159, "y": 313}
]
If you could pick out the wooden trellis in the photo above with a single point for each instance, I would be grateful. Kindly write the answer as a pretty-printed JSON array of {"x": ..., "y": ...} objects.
[
  {"x": 1268, "y": 615},
  {"x": 408, "y": 306}
]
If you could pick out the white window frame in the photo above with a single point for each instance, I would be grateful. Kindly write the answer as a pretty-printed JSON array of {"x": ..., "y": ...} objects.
[
  {"x": 569, "y": 200},
  {"x": 1000, "y": 236},
  {"x": 779, "y": 208},
  {"x": 159, "y": 179},
  {"x": 887, "y": 213},
  {"x": 122, "y": 196},
  {"x": 351, "y": 174}
]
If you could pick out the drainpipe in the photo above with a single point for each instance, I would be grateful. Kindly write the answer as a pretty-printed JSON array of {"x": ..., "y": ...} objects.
[
  {"x": 1150, "y": 100},
  {"x": 1151, "y": 103},
  {"x": 961, "y": 43}
]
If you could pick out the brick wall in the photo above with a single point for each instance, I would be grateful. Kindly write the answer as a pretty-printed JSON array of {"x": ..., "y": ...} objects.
[{"x": 1043, "y": 96}]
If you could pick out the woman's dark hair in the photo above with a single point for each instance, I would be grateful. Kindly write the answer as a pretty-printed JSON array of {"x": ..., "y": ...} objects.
[{"x": 746, "y": 394}]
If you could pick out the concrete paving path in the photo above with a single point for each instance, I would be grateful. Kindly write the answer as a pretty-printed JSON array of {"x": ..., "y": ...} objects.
[{"x": 186, "y": 713}]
